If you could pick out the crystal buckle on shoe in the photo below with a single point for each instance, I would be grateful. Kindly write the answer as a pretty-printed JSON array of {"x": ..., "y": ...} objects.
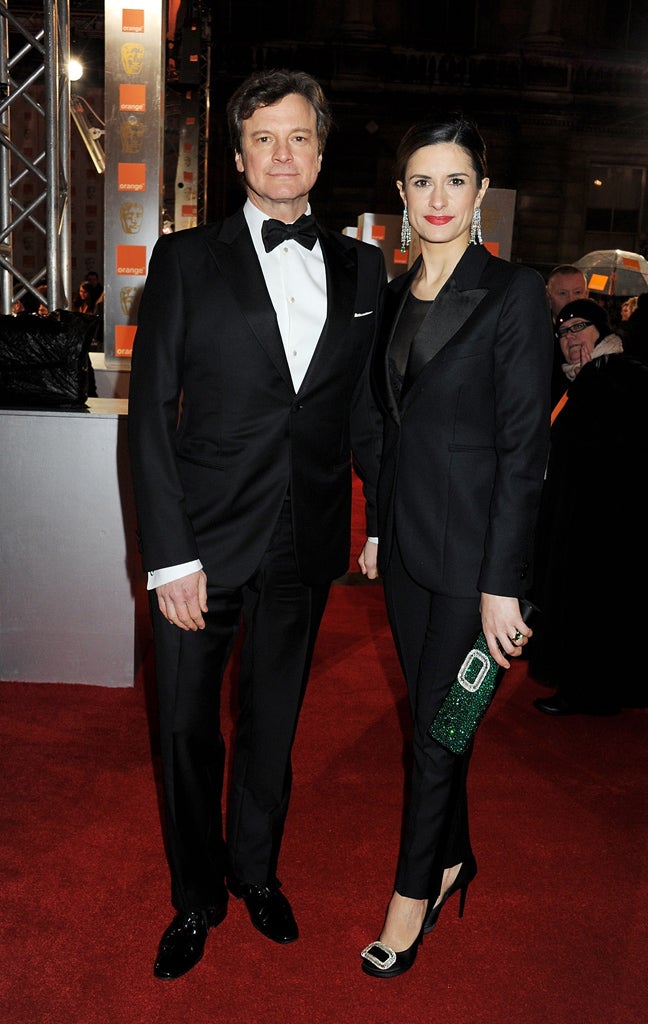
[{"x": 382, "y": 965}]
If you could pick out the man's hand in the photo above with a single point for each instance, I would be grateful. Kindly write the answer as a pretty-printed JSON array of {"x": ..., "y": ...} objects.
[
  {"x": 368, "y": 560},
  {"x": 183, "y": 601}
]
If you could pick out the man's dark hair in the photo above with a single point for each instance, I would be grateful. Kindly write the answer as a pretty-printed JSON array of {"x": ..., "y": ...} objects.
[{"x": 268, "y": 87}]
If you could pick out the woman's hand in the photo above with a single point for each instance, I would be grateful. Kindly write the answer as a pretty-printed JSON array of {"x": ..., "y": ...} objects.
[{"x": 504, "y": 628}]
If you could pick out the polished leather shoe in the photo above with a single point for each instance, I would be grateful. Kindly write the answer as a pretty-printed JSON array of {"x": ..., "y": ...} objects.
[
  {"x": 183, "y": 943},
  {"x": 269, "y": 911},
  {"x": 556, "y": 705}
]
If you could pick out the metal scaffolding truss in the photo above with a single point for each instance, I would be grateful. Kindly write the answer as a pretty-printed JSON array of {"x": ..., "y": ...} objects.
[{"x": 33, "y": 65}]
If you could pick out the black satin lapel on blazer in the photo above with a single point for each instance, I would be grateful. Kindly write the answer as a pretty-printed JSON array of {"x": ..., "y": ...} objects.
[
  {"x": 234, "y": 253},
  {"x": 446, "y": 315},
  {"x": 341, "y": 285}
]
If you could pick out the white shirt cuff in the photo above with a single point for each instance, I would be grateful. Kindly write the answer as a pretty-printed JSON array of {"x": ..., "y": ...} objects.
[
  {"x": 173, "y": 572},
  {"x": 374, "y": 540}
]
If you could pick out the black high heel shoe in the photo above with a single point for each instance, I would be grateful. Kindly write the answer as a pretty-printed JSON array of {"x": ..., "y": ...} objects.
[
  {"x": 382, "y": 962},
  {"x": 467, "y": 872}
]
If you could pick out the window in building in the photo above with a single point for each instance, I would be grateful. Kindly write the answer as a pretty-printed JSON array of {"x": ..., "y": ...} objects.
[{"x": 614, "y": 207}]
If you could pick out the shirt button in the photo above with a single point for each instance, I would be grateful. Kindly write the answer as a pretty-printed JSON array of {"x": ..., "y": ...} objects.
[{"x": 291, "y": 299}]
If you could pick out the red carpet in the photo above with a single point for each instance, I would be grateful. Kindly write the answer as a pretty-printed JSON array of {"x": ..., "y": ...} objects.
[{"x": 554, "y": 930}]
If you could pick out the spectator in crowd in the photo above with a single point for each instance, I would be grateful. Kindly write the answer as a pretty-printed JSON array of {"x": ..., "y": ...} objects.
[
  {"x": 564, "y": 284},
  {"x": 591, "y": 559},
  {"x": 635, "y": 334},
  {"x": 84, "y": 301}
]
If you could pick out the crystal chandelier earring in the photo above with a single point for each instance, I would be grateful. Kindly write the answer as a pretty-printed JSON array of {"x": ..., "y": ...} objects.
[
  {"x": 475, "y": 227},
  {"x": 406, "y": 232}
]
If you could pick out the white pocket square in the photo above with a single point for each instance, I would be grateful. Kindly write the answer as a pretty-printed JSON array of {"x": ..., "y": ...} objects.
[{"x": 368, "y": 313}]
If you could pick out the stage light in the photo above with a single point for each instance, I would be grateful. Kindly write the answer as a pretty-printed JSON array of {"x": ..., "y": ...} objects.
[{"x": 75, "y": 69}]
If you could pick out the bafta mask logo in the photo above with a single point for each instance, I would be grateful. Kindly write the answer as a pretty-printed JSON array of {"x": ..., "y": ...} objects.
[
  {"x": 127, "y": 298},
  {"x": 131, "y": 132},
  {"x": 131, "y": 214},
  {"x": 132, "y": 58}
]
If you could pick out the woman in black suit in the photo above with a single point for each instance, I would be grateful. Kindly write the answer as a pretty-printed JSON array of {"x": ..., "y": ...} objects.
[{"x": 462, "y": 375}]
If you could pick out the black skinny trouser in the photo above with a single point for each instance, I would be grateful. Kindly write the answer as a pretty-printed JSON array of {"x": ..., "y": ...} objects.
[{"x": 433, "y": 633}]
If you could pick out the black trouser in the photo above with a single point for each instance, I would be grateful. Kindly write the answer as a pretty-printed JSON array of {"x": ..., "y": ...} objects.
[
  {"x": 281, "y": 619},
  {"x": 433, "y": 633}
]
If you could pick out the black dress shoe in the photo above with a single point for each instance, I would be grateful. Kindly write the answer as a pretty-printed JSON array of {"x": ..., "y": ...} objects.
[
  {"x": 183, "y": 943},
  {"x": 269, "y": 911},
  {"x": 556, "y": 705}
]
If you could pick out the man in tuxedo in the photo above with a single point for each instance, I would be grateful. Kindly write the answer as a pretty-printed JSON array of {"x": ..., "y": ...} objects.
[{"x": 249, "y": 402}]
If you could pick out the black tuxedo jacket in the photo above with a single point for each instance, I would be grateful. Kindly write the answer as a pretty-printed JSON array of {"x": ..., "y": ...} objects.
[
  {"x": 209, "y": 483},
  {"x": 465, "y": 447}
]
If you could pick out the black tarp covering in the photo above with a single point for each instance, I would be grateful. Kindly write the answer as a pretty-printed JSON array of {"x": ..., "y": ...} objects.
[{"x": 44, "y": 360}]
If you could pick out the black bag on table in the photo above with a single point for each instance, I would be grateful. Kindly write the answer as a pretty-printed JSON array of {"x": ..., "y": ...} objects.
[{"x": 44, "y": 360}]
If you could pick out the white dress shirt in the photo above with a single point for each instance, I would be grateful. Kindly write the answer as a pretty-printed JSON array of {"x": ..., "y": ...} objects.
[{"x": 296, "y": 280}]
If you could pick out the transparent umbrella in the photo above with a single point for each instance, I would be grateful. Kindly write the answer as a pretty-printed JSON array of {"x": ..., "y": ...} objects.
[{"x": 615, "y": 272}]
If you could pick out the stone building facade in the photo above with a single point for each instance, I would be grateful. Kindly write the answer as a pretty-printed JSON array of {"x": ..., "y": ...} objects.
[{"x": 560, "y": 92}]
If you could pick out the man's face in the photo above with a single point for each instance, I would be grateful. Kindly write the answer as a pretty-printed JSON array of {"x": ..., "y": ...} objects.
[
  {"x": 279, "y": 156},
  {"x": 564, "y": 288}
]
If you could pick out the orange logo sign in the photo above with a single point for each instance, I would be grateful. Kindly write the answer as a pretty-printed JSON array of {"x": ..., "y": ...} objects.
[
  {"x": 131, "y": 177},
  {"x": 131, "y": 260},
  {"x": 132, "y": 20},
  {"x": 132, "y": 98}
]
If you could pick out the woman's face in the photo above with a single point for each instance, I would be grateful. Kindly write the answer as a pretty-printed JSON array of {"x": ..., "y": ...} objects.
[
  {"x": 577, "y": 339},
  {"x": 440, "y": 192}
]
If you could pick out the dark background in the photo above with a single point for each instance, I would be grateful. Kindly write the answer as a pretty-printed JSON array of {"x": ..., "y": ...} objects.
[{"x": 559, "y": 90}]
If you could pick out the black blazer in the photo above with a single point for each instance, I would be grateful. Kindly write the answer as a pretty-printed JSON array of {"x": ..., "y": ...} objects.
[
  {"x": 465, "y": 448},
  {"x": 211, "y": 485}
]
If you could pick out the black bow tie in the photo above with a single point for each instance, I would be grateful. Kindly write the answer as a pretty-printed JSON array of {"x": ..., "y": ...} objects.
[{"x": 274, "y": 232}]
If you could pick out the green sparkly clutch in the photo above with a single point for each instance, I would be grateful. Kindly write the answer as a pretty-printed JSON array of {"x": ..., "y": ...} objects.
[{"x": 469, "y": 697}]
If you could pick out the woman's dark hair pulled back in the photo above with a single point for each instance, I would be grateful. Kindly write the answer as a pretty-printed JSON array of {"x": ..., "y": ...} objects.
[{"x": 435, "y": 129}]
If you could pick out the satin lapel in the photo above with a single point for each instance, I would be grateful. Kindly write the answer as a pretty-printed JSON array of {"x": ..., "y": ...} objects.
[
  {"x": 446, "y": 315},
  {"x": 341, "y": 285},
  {"x": 234, "y": 254}
]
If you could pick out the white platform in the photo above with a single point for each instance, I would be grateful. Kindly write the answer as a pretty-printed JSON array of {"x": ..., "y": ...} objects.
[
  {"x": 72, "y": 591},
  {"x": 111, "y": 383}
]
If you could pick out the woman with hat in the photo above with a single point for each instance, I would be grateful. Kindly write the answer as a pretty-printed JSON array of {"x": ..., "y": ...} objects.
[
  {"x": 591, "y": 559},
  {"x": 584, "y": 333}
]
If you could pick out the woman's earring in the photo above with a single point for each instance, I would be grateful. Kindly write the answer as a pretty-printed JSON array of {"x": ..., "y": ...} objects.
[
  {"x": 406, "y": 232},
  {"x": 475, "y": 227}
]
